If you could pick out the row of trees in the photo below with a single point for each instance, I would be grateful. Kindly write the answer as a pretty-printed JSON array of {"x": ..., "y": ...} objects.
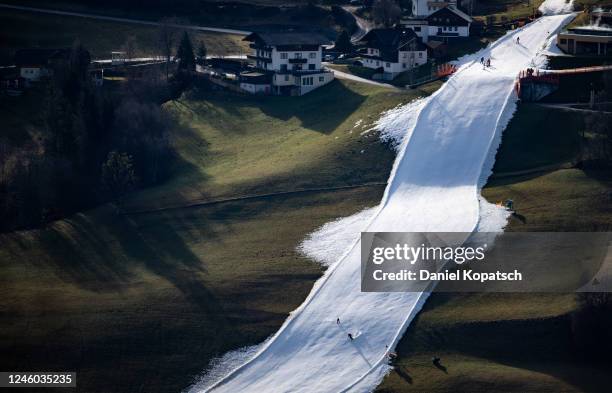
[{"x": 92, "y": 146}]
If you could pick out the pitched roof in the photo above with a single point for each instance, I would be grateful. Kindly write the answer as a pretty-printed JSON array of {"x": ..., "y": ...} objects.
[
  {"x": 390, "y": 41},
  {"x": 448, "y": 12},
  {"x": 461, "y": 13},
  {"x": 395, "y": 37},
  {"x": 288, "y": 39},
  {"x": 40, "y": 57}
]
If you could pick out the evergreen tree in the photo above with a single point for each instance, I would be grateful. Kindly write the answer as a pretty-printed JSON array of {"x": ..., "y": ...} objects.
[
  {"x": 185, "y": 54},
  {"x": 202, "y": 52},
  {"x": 343, "y": 43}
]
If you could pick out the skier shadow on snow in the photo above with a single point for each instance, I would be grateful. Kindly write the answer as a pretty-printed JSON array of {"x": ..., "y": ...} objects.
[{"x": 356, "y": 345}]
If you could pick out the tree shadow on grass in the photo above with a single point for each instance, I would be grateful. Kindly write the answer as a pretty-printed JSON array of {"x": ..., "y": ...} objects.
[
  {"x": 540, "y": 345},
  {"x": 99, "y": 251},
  {"x": 321, "y": 110},
  {"x": 313, "y": 109}
]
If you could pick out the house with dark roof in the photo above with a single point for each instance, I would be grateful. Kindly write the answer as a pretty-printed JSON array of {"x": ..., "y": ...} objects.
[
  {"x": 448, "y": 22},
  {"x": 445, "y": 23},
  {"x": 393, "y": 50},
  {"x": 34, "y": 64},
  {"x": 291, "y": 62}
]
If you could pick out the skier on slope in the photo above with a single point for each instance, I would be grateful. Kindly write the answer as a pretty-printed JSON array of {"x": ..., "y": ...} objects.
[
  {"x": 489, "y": 62},
  {"x": 350, "y": 336},
  {"x": 518, "y": 40}
]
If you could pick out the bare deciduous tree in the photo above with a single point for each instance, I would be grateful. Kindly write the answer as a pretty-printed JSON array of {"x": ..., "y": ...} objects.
[
  {"x": 167, "y": 37},
  {"x": 386, "y": 12}
]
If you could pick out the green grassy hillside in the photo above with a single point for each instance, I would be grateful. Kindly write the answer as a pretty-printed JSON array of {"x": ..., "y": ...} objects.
[
  {"x": 142, "y": 302},
  {"x": 233, "y": 145}
]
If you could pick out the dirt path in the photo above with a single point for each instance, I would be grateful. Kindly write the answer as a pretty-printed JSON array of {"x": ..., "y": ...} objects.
[{"x": 253, "y": 196}]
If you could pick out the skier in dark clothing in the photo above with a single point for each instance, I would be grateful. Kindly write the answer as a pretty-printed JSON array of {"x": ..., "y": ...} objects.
[
  {"x": 350, "y": 336},
  {"x": 482, "y": 60},
  {"x": 488, "y": 62},
  {"x": 338, "y": 321},
  {"x": 435, "y": 361},
  {"x": 518, "y": 40}
]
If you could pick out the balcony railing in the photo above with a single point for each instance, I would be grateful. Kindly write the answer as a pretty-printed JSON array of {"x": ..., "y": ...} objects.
[{"x": 259, "y": 58}]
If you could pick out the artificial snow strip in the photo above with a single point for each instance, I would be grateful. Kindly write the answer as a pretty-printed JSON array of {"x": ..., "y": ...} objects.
[{"x": 433, "y": 187}]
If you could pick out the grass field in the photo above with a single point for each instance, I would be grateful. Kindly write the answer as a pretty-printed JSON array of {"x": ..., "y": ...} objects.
[
  {"x": 515, "y": 342},
  {"x": 25, "y": 29},
  {"x": 556, "y": 141},
  {"x": 142, "y": 302},
  {"x": 506, "y": 9},
  {"x": 234, "y": 145}
]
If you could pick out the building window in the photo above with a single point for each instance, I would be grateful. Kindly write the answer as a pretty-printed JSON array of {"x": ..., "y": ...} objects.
[
  {"x": 377, "y": 63},
  {"x": 321, "y": 79},
  {"x": 286, "y": 78},
  {"x": 298, "y": 55},
  {"x": 284, "y": 55},
  {"x": 311, "y": 67},
  {"x": 417, "y": 28},
  {"x": 388, "y": 65},
  {"x": 563, "y": 41},
  {"x": 312, "y": 55},
  {"x": 420, "y": 54},
  {"x": 404, "y": 65}
]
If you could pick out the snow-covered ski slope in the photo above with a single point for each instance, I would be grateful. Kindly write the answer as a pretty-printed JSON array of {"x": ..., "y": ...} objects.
[{"x": 433, "y": 187}]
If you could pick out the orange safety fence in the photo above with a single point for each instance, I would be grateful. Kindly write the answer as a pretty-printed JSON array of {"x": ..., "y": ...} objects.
[{"x": 445, "y": 70}]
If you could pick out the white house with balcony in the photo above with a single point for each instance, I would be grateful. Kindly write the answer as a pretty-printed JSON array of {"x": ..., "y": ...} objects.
[
  {"x": 286, "y": 63},
  {"x": 438, "y": 21},
  {"x": 393, "y": 51}
]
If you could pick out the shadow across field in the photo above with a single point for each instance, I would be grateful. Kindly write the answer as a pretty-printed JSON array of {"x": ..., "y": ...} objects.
[
  {"x": 101, "y": 251},
  {"x": 321, "y": 110},
  {"x": 541, "y": 345}
]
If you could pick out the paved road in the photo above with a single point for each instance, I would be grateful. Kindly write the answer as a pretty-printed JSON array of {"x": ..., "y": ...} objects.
[
  {"x": 363, "y": 26},
  {"x": 346, "y": 75},
  {"x": 123, "y": 20}
]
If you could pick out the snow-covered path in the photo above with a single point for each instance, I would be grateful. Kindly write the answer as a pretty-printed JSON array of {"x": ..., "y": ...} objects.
[{"x": 433, "y": 187}]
